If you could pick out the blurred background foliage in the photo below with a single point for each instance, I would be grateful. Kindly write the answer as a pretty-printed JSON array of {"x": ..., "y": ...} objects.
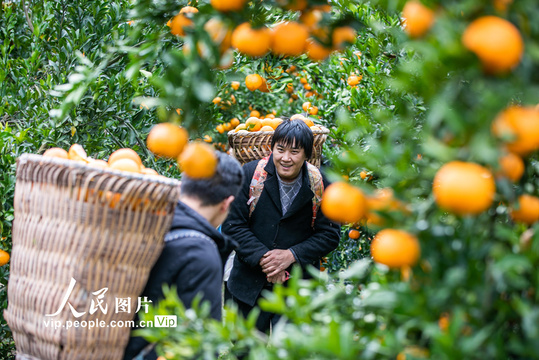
[{"x": 102, "y": 73}]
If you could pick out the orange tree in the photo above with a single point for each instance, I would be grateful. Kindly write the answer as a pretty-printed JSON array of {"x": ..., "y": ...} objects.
[{"x": 451, "y": 144}]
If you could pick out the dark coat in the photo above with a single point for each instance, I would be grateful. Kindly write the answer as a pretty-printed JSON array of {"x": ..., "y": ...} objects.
[
  {"x": 192, "y": 264},
  {"x": 268, "y": 229}
]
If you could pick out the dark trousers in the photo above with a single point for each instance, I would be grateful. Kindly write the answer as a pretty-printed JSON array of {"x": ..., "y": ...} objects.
[{"x": 265, "y": 319}]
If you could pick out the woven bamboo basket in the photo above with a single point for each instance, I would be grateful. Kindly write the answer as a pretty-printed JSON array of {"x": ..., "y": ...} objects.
[
  {"x": 248, "y": 146},
  {"x": 104, "y": 229}
]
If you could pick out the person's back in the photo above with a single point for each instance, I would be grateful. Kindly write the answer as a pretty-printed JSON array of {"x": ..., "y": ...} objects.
[{"x": 195, "y": 252}]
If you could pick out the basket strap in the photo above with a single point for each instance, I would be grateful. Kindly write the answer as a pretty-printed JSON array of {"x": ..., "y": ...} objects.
[
  {"x": 178, "y": 234},
  {"x": 257, "y": 184}
]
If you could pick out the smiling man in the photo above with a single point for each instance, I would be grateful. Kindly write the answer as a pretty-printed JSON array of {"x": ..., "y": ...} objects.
[{"x": 276, "y": 219}]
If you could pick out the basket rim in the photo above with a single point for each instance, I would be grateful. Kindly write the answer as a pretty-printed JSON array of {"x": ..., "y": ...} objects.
[
  {"x": 27, "y": 157},
  {"x": 323, "y": 131}
]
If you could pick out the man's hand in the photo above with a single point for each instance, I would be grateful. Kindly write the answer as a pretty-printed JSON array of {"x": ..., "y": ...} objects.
[
  {"x": 275, "y": 261},
  {"x": 278, "y": 279}
]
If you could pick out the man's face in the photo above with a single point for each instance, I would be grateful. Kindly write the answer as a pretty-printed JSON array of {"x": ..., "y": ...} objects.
[{"x": 288, "y": 160}]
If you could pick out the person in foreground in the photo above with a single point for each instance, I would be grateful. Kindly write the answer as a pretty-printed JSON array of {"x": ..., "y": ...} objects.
[
  {"x": 276, "y": 219},
  {"x": 195, "y": 252}
]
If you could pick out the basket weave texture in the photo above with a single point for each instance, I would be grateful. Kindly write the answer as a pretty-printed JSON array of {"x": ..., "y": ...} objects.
[
  {"x": 104, "y": 229},
  {"x": 248, "y": 146}
]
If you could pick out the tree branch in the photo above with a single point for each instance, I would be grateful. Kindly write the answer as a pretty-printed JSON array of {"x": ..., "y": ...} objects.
[{"x": 28, "y": 20}]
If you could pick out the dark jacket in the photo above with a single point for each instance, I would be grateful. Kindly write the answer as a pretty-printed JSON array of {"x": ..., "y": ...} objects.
[
  {"x": 268, "y": 229},
  {"x": 192, "y": 264}
]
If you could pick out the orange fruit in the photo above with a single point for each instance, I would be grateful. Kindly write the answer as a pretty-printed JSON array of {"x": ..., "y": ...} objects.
[
  {"x": 308, "y": 121},
  {"x": 234, "y": 122},
  {"x": 56, "y": 152},
  {"x": 276, "y": 122},
  {"x": 220, "y": 34},
  {"x": 342, "y": 35},
  {"x": 266, "y": 128},
  {"x": 255, "y": 113},
  {"x": 521, "y": 125},
  {"x": 264, "y": 87},
  {"x": 253, "y": 124},
  {"x": 253, "y": 81},
  {"x": 252, "y": 42},
  {"x": 297, "y": 116},
  {"x": 76, "y": 152},
  {"x": 99, "y": 164},
  {"x": 126, "y": 164},
  {"x": 294, "y": 5},
  {"x": 207, "y": 138},
  {"x": 418, "y": 18},
  {"x": 289, "y": 39},
  {"x": 235, "y": 85},
  {"x": 528, "y": 209},
  {"x": 463, "y": 188},
  {"x": 313, "y": 110},
  {"x": 353, "y": 234},
  {"x": 496, "y": 42},
  {"x": 181, "y": 21},
  {"x": 149, "y": 171},
  {"x": 306, "y": 106},
  {"x": 124, "y": 153},
  {"x": 310, "y": 18},
  {"x": 395, "y": 248},
  {"x": 512, "y": 166},
  {"x": 198, "y": 161},
  {"x": 501, "y": 5},
  {"x": 240, "y": 127},
  {"x": 353, "y": 80},
  {"x": 167, "y": 140},
  {"x": 316, "y": 51},
  {"x": 343, "y": 203},
  {"x": 227, "y": 5},
  {"x": 216, "y": 100},
  {"x": 220, "y": 128},
  {"x": 4, "y": 257}
]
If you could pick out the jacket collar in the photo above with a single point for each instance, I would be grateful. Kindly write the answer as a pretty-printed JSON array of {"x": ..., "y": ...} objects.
[{"x": 272, "y": 185}]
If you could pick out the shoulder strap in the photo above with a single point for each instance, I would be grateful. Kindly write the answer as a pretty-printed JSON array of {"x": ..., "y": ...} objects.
[
  {"x": 257, "y": 184},
  {"x": 317, "y": 187},
  {"x": 177, "y": 234}
]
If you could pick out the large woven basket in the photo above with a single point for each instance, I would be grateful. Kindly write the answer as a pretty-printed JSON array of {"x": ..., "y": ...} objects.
[
  {"x": 248, "y": 146},
  {"x": 102, "y": 228}
]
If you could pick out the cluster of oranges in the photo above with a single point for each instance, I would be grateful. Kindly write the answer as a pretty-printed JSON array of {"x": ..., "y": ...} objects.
[
  {"x": 254, "y": 123},
  {"x": 196, "y": 159},
  {"x": 291, "y": 38},
  {"x": 123, "y": 159}
]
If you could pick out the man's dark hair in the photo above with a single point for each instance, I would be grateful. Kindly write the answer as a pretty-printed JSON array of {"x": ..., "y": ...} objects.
[
  {"x": 226, "y": 181},
  {"x": 294, "y": 131}
]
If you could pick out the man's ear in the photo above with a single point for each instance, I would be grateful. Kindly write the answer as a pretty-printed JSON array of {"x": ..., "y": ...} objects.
[{"x": 225, "y": 204}]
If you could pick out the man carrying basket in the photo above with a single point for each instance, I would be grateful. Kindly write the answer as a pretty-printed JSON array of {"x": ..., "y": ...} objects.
[{"x": 276, "y": 219}]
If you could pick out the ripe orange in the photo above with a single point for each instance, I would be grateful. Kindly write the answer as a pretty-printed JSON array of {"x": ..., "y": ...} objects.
[
  {"x": 252, "y": 42},
  {"x": 264, "y": 87},
  {"x": 76, "y": 152},
  {"x": 353, "y": 234},
  {"x": 289, "y": 39},
  {"x": 512, "y": 166},
  {"x": 463, "y": 188},
  {"x": 313, "y": 110},
  {"x": 198, "y": 160},
  {"x": 235, "y": 85},
  {"x": 227, "y": 5},
  {"x": 528, "y": 210},
  {"x": 294, "y": 5},
  {"x": 126, "y": 164},
  {"x": 4, "y": 257},
  {"x": 266, "y": 128},
  {"x": 342, "y": 35},
  {"x": 216, "y": 100},
  {"x": 125, "y": 153},
  {"x": 297, "y": 116},
  {"x": 149, "y": 171},
  {"x": 306, "y": 106},
  {"x": 167, "y": 140},
  {"x": 56, "y": 152},
  {"x": 353, "y": 80},
  {"x": 99, "y": 164},
  {"x": 240, "y": 127},
  {"x": 181, "y": 21},
  {"x": 521, "y": 125},
  {"x": 253, "y": 81},
  {"x": 220, "y": 34},
  {"x": 418, "y": 18},
  {"x": 343, "y": 203},
  {"x": 316, "y": 51},
  {"x": 308, "y": 121},
  {"x": 234, "y": 122},
  {"x": 253, "y": 124},
  {"x": 395, "y": 248},
  {"x": 496, "y": 42},
  {"x": 255, "y": 113}
]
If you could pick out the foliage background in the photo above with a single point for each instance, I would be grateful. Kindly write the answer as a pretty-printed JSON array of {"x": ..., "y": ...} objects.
[{"x": 85, "y": 73}]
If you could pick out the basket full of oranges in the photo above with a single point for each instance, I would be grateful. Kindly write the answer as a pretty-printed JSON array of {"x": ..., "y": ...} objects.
[
  {"x": 86, "y": 233},
  {"x": 252, "y": 140}
]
